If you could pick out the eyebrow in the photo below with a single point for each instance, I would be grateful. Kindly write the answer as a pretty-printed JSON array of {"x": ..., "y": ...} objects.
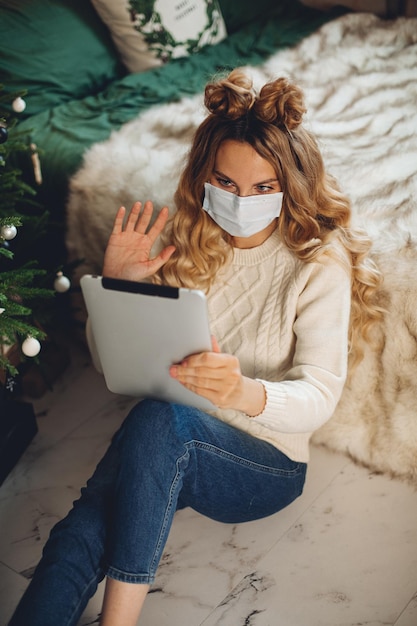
[{"x": 263, "y": 182}]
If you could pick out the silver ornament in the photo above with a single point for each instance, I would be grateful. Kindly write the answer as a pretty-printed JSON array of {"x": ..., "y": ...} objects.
[
  {"x": 61, "y": 283},
  {"x": 8, "y": 232},
  {"x": 18, "y": 105},
  {"x": 31, "y": 346}
]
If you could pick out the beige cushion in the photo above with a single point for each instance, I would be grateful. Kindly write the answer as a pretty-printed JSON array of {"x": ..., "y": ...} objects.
[{"x": 147, "y": 39}]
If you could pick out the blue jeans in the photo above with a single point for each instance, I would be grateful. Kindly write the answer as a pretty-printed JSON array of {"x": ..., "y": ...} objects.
[{"x": 164, "y": 457}]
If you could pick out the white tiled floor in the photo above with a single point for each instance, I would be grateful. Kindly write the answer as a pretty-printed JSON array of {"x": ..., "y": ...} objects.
[{"x": 344, "y": 554}]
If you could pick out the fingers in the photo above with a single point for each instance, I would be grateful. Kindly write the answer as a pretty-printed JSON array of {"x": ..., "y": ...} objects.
[
  {"x": 215, "y": 346},
  {"x": 118, "y": 221},
  {"x": 166, "y": 254},
  {"x": 131, "y": 219},
  {"x": 155, "y": 264},
  {"x": 135, "y": 217},
  {"x": 220, "y": 391},
  {"x": 138, "y": 220},
  {"x": 143, "y": 220},
  {"x": 198, "y": 383},
  {"x": 208, "y": 371},
  {"x": 159, "y": 224},
  {"x": 213, "y": 375},
  {"x": 206, "y": 379}
]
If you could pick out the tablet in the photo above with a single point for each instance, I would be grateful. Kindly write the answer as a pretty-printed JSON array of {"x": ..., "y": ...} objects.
[{"x": 140, "y": 330}]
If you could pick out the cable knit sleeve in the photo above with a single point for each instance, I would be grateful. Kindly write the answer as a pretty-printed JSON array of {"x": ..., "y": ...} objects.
[{"x": 311, "y": 388}]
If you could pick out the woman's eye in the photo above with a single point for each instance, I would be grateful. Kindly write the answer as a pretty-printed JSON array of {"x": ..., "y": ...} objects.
[
  {"x": 264, "y": 188},
  {"x": 224, "y": 182}
]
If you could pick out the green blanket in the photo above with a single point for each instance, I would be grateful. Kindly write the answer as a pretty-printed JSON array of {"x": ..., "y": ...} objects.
[{"x": 63, "y": 132}]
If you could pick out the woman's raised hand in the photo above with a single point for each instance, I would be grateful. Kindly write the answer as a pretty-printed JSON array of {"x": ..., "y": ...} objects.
[{"x": 128, "y": 252}]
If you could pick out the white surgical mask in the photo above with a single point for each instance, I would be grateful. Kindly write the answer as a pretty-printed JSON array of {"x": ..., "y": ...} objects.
[{"x": 241, "y": 216}]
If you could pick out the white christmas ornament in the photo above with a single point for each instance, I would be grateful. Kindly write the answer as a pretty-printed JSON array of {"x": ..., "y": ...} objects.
[
  {"x": 18, "y": 105},
  {"x": 31, "y": 346},
  {"x": 8, "y": 232},
  {"x": 2, "y": 310},
  {"x": 61, "y": 283}
]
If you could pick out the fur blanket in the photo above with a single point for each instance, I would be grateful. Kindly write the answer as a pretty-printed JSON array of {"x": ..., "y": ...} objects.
[{"x": 359, "y": 74}]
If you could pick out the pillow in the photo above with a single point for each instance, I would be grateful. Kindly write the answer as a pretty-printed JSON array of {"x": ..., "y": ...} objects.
[
  {"x": 150, "y": 33},
  {"x": 57, "y": 50},
  {"x": 130, "y": 44}
]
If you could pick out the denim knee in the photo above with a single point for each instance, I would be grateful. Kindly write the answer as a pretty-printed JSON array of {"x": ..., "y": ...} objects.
[{"x": 157, "y": 421}]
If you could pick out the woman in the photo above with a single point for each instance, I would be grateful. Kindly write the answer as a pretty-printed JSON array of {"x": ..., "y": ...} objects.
[{"x": 264, "y": 231}]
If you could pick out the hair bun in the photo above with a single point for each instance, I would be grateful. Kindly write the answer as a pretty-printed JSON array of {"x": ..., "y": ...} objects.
[
  {"x": 281, "y": 103},
  {"x": 231, "y": 97}
]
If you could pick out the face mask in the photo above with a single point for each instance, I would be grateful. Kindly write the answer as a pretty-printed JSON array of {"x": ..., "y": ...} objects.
[{"x": 241, "y": 216}]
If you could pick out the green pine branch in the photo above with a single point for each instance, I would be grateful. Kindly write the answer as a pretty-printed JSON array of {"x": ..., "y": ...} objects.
[{"x": 22, "y": 291}]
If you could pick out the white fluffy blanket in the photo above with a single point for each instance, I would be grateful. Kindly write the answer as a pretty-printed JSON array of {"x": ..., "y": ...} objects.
[{"x": 359, "y": 74}]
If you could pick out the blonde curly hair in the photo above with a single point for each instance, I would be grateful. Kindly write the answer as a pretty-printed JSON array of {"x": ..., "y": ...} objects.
[{"x": 314, "y": 214}]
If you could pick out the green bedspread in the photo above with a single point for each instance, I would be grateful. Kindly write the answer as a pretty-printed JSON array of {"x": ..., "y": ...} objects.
[{"x": 65, "y": 131}]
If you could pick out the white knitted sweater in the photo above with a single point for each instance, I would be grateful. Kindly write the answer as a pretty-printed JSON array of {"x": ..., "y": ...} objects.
[{"x": 287, "y": 322}]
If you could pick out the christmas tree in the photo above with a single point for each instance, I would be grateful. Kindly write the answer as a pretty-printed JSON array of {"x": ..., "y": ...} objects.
[
  {"x": 24, "y": 287},
  {"x": 26, "y": 290}
]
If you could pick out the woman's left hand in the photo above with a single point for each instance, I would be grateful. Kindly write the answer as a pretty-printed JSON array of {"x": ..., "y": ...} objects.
[{"x": 217, "y": 377}]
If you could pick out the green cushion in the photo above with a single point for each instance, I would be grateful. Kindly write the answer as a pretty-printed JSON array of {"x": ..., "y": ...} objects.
[{"x": 35, "y": 39}]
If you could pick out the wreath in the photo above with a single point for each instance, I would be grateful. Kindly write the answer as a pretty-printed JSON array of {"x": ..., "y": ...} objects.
[{"x": 150, "y": 23}]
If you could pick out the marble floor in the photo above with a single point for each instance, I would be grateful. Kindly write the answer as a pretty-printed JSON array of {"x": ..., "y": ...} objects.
[{"x": 344, "y": 554}]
